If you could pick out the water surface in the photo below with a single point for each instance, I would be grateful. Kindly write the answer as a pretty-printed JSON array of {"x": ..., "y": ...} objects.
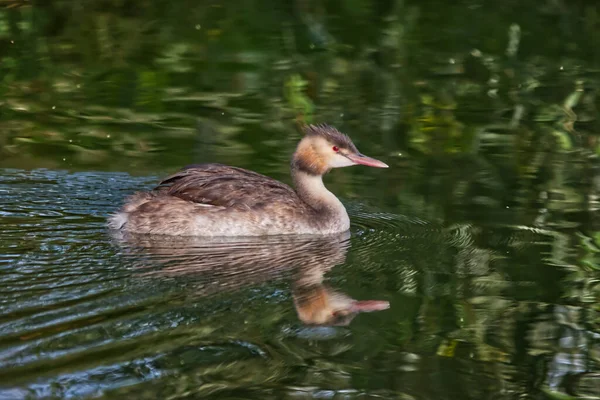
[
  {"x": 483, "y": 235},
  {"x": 475, "y": 310}
]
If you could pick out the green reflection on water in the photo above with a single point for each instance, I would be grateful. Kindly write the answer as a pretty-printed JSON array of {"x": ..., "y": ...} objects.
[{"x": 483, "y": 234}]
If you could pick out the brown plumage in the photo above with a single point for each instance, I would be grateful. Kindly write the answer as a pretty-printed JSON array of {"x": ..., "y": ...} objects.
[
  {"x": 225, "y": 186},
  {"x": 220, "y": 200}
]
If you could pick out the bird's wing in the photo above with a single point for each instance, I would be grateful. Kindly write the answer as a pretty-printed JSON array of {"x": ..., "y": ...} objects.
[{"x": 229, "y": 187}]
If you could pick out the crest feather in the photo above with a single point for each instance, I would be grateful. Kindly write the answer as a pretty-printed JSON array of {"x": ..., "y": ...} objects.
[{"x": 331, "y": 134}]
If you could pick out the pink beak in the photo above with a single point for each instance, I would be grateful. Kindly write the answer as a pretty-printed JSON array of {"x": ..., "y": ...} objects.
[{"x": 361, "y": 159}]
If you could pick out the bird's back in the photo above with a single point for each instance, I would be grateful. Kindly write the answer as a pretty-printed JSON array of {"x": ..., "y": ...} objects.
[{"x": 216, "y": 200}]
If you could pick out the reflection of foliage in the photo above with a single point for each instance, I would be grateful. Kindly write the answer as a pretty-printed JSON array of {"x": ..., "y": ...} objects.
[
  {"x": 395, "y": 75},
  {"x": 591, "y": 251},
  {"x": 583, "y": 277},
  {"x": 437, "y": 127},
  {"x": 294, "y": 93},
  {"x": 494, "y": 108}
]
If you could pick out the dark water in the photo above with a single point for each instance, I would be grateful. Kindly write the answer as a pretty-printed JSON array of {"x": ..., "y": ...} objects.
[
  {"x": 476, "y": 310},
  {"x": 483, "y": 235}
]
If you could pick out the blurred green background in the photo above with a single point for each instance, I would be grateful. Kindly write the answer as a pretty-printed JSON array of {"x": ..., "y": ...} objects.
[
  {"x": 117, "y": 83},
  {"x": 486, "y": 112}
]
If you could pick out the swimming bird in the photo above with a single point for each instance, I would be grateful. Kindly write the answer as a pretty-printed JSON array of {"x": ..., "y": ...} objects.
[{"x": 221, "y": 200}]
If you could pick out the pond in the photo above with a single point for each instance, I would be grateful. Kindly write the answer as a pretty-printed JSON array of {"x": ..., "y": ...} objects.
[{"x": 470, "y": 270}]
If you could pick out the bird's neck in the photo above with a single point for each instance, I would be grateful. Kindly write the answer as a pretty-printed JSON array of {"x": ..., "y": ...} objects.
[{"x": 312, "y": 191}]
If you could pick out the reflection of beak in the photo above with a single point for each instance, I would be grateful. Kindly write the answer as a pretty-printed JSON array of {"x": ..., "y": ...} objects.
[
  {"x": 345, "y": 315},
  {"x": 320, "y": 305},
  {"x": 361, "y": 159},
  {"x": 369, "y": 306}
]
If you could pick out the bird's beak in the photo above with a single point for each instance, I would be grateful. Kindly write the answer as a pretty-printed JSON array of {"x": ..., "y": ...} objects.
[{"x": 361, "y": 159}]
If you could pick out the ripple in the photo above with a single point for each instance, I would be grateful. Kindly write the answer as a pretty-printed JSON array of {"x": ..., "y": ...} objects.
[
  {"x": 77, "y": 305},
  {"x": 380, "y": 233},
  {"x": 85, "y": 313},
  {"x": 59, "y": 274}
]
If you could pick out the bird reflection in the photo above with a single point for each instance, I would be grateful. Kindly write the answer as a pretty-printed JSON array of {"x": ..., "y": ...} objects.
[{"x": 229, "y": 264}]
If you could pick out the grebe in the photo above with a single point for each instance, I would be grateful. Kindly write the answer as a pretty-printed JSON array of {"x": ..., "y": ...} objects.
[{"x": 219, "y": 200}]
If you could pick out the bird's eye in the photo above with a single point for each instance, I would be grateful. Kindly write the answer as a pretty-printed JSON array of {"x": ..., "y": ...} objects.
[{"x": 335, "y": 148}]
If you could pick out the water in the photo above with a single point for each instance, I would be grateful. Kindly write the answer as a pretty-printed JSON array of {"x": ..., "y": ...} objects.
[
  {"x": 483, "y": 236},
  {"x": 475, "y": 310}
]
